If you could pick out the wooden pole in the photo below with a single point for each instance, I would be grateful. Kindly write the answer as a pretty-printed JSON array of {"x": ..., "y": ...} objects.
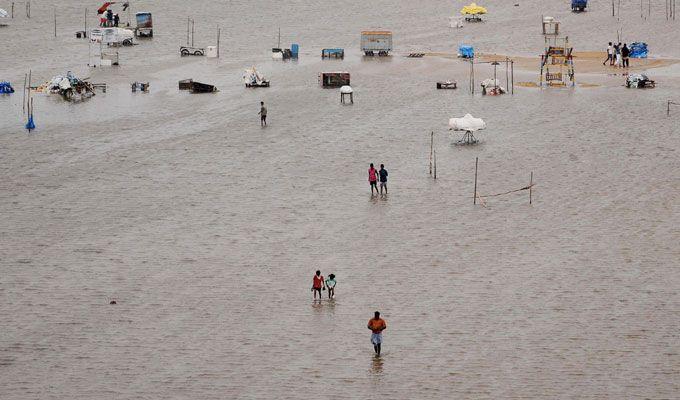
[
  {"x": 512, "y": 76},
  {"x": 193, "y": 31},
  {"x": 435, "y": 164},
  {"x": 23, "y": 100},
  {"x": 432, "y": 147},
  {"x": 474, "y": 197},
  {"x": 507, "y": 79},
  {"x": 218, "y": 42},
  {"x": 12, "y": 10},
  {"x": 55, "y": 21},
  {"x": 188, "y": 23},
  {"x": 85, "y": 22},
  {"x": 612, "y": 8},
  {"x": 531, "y": 185}
]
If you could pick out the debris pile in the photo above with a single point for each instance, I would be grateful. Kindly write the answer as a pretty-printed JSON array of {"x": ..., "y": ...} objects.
[
  {"x": 69, "y": 87},
  {"x": 252, "y": 78}
]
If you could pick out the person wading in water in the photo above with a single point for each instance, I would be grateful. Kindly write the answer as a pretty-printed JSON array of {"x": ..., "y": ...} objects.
[
  {"x": 318, "y": 284},
  {"x": 376, "y": 325}
]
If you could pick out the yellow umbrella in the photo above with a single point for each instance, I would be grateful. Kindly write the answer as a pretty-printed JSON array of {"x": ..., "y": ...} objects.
[{"x": 473, "y": 9}]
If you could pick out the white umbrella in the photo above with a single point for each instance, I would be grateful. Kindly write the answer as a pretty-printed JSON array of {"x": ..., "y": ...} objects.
[
  {"x": 468, "y": 124},
  {"x": 3, "y": 13}
]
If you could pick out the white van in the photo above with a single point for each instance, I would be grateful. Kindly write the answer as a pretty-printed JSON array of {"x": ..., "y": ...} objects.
[{"x": 112, "y": 36}]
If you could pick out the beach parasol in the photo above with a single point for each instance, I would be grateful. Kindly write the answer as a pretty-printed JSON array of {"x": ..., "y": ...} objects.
[
  {"x": 3, "y": 13},
  {"x": 104, "y": 6},
  {"x": 469, "y": 124},
  {"x": 473, "y": 9}
]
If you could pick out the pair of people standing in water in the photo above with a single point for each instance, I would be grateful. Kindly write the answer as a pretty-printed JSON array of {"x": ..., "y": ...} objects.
[
  {"x": 319, "y": 284},
  {"x": 375, "y": 175}
]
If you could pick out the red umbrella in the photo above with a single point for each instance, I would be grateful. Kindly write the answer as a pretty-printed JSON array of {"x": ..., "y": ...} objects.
[{"x": 104, "y": 7}]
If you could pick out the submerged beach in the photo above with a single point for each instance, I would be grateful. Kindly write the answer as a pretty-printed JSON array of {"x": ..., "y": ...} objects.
[{"x": 206, "y": 229}]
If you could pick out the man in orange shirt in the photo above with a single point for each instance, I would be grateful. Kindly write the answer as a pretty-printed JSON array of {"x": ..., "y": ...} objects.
[{"x": 376, "y": 325}]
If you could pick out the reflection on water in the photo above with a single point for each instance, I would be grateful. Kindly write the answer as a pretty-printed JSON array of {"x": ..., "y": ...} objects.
[{"x": 377, "y": 365}]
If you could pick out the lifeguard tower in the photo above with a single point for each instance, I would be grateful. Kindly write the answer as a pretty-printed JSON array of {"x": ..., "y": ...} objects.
[{"x": 557, "y": 63}]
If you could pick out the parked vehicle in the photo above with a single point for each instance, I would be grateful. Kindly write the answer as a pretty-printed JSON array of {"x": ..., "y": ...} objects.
[
  {"x": 191, "y": 51},
  {"x": 376, "y": 42},
  {"x": 334, "y": 79},
  {"x": 579, "y": 5},
  {"x": 112, "y": 36},
  {"x": 144, "y": 24},
  {"x": 332, "y": 53}
]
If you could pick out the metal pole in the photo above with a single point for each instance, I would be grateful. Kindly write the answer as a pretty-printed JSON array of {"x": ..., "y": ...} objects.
[
  {"x": 531, "y": 185},
  {"x": 86, "y": 22},
  {"x": 474, "y": 197},
  {"x": 188, "y": 23},
  {"x": 12, "y": 10},
  {"x": 55, "y": 21},
  {"x": 193, "y": 31}
]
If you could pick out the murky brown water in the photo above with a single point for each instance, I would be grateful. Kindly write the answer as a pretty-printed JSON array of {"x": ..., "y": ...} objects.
[{"x": 207, "y": 229}]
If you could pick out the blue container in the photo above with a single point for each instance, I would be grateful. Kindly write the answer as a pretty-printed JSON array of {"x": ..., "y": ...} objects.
[
  {"x": 466, "y": 51},
  {"x": 294, "y": 50},
  {"x": 579, "y": 5}
]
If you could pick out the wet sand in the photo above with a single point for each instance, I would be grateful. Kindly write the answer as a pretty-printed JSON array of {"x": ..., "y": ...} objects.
[{"x": 206, "y": 228}]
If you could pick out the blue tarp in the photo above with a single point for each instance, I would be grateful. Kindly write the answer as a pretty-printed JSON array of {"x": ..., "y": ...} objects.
[
  {"x": 638, "y": 50},
  {"x": 466, "y": 51},
  {"x": 6, "y": 88},
  {"x": 579, "y": 3},
  {"x": 30, "y": 125}
]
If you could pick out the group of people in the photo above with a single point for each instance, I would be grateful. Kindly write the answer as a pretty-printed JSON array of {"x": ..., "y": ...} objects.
[
  {"x": 377, "y": 175},
  {"x": 109, "y": 19},
  {"x": 375, "y": 324},
  {"x": 617, "y": 55}
]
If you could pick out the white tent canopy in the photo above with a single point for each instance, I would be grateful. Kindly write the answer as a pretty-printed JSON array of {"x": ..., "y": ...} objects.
[
  {"x": 3, "y": 13},
  {"x": 468, "y": 123},
  {"x": 346, "y": 89}
]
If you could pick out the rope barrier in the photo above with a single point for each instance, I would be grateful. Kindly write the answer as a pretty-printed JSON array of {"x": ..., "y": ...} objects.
[{"x": 479, "y": 196}]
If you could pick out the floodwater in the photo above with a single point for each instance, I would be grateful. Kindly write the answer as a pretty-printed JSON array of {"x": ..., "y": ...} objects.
[{"x": 206, "y": 229}]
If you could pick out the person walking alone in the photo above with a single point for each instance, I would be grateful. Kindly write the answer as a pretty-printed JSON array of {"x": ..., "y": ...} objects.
[
  {"x": 610, "y": 55},
  {"x": 376, "y": 325},
  {"x": 373, "y": 179},
  {"x": 263, "y": 114},
  {"x": 383, "y": 179}
]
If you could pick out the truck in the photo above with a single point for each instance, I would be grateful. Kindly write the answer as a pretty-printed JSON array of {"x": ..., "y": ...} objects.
[
  {"x": 144, "y": 24},
  {"x": 376, "y": 42},
  {"x": 579, "y": 5}
]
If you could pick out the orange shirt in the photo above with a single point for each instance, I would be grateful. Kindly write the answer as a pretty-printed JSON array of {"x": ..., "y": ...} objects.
[{"x": 377, "y": 325}]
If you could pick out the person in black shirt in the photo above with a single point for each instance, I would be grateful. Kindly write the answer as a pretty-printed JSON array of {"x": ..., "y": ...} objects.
[
  {"x": 383, "y": 179},
  {"x": 625, "y": 54}
]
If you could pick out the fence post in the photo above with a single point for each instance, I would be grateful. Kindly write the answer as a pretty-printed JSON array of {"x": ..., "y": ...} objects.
[{"x": 474, "y": 198}]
